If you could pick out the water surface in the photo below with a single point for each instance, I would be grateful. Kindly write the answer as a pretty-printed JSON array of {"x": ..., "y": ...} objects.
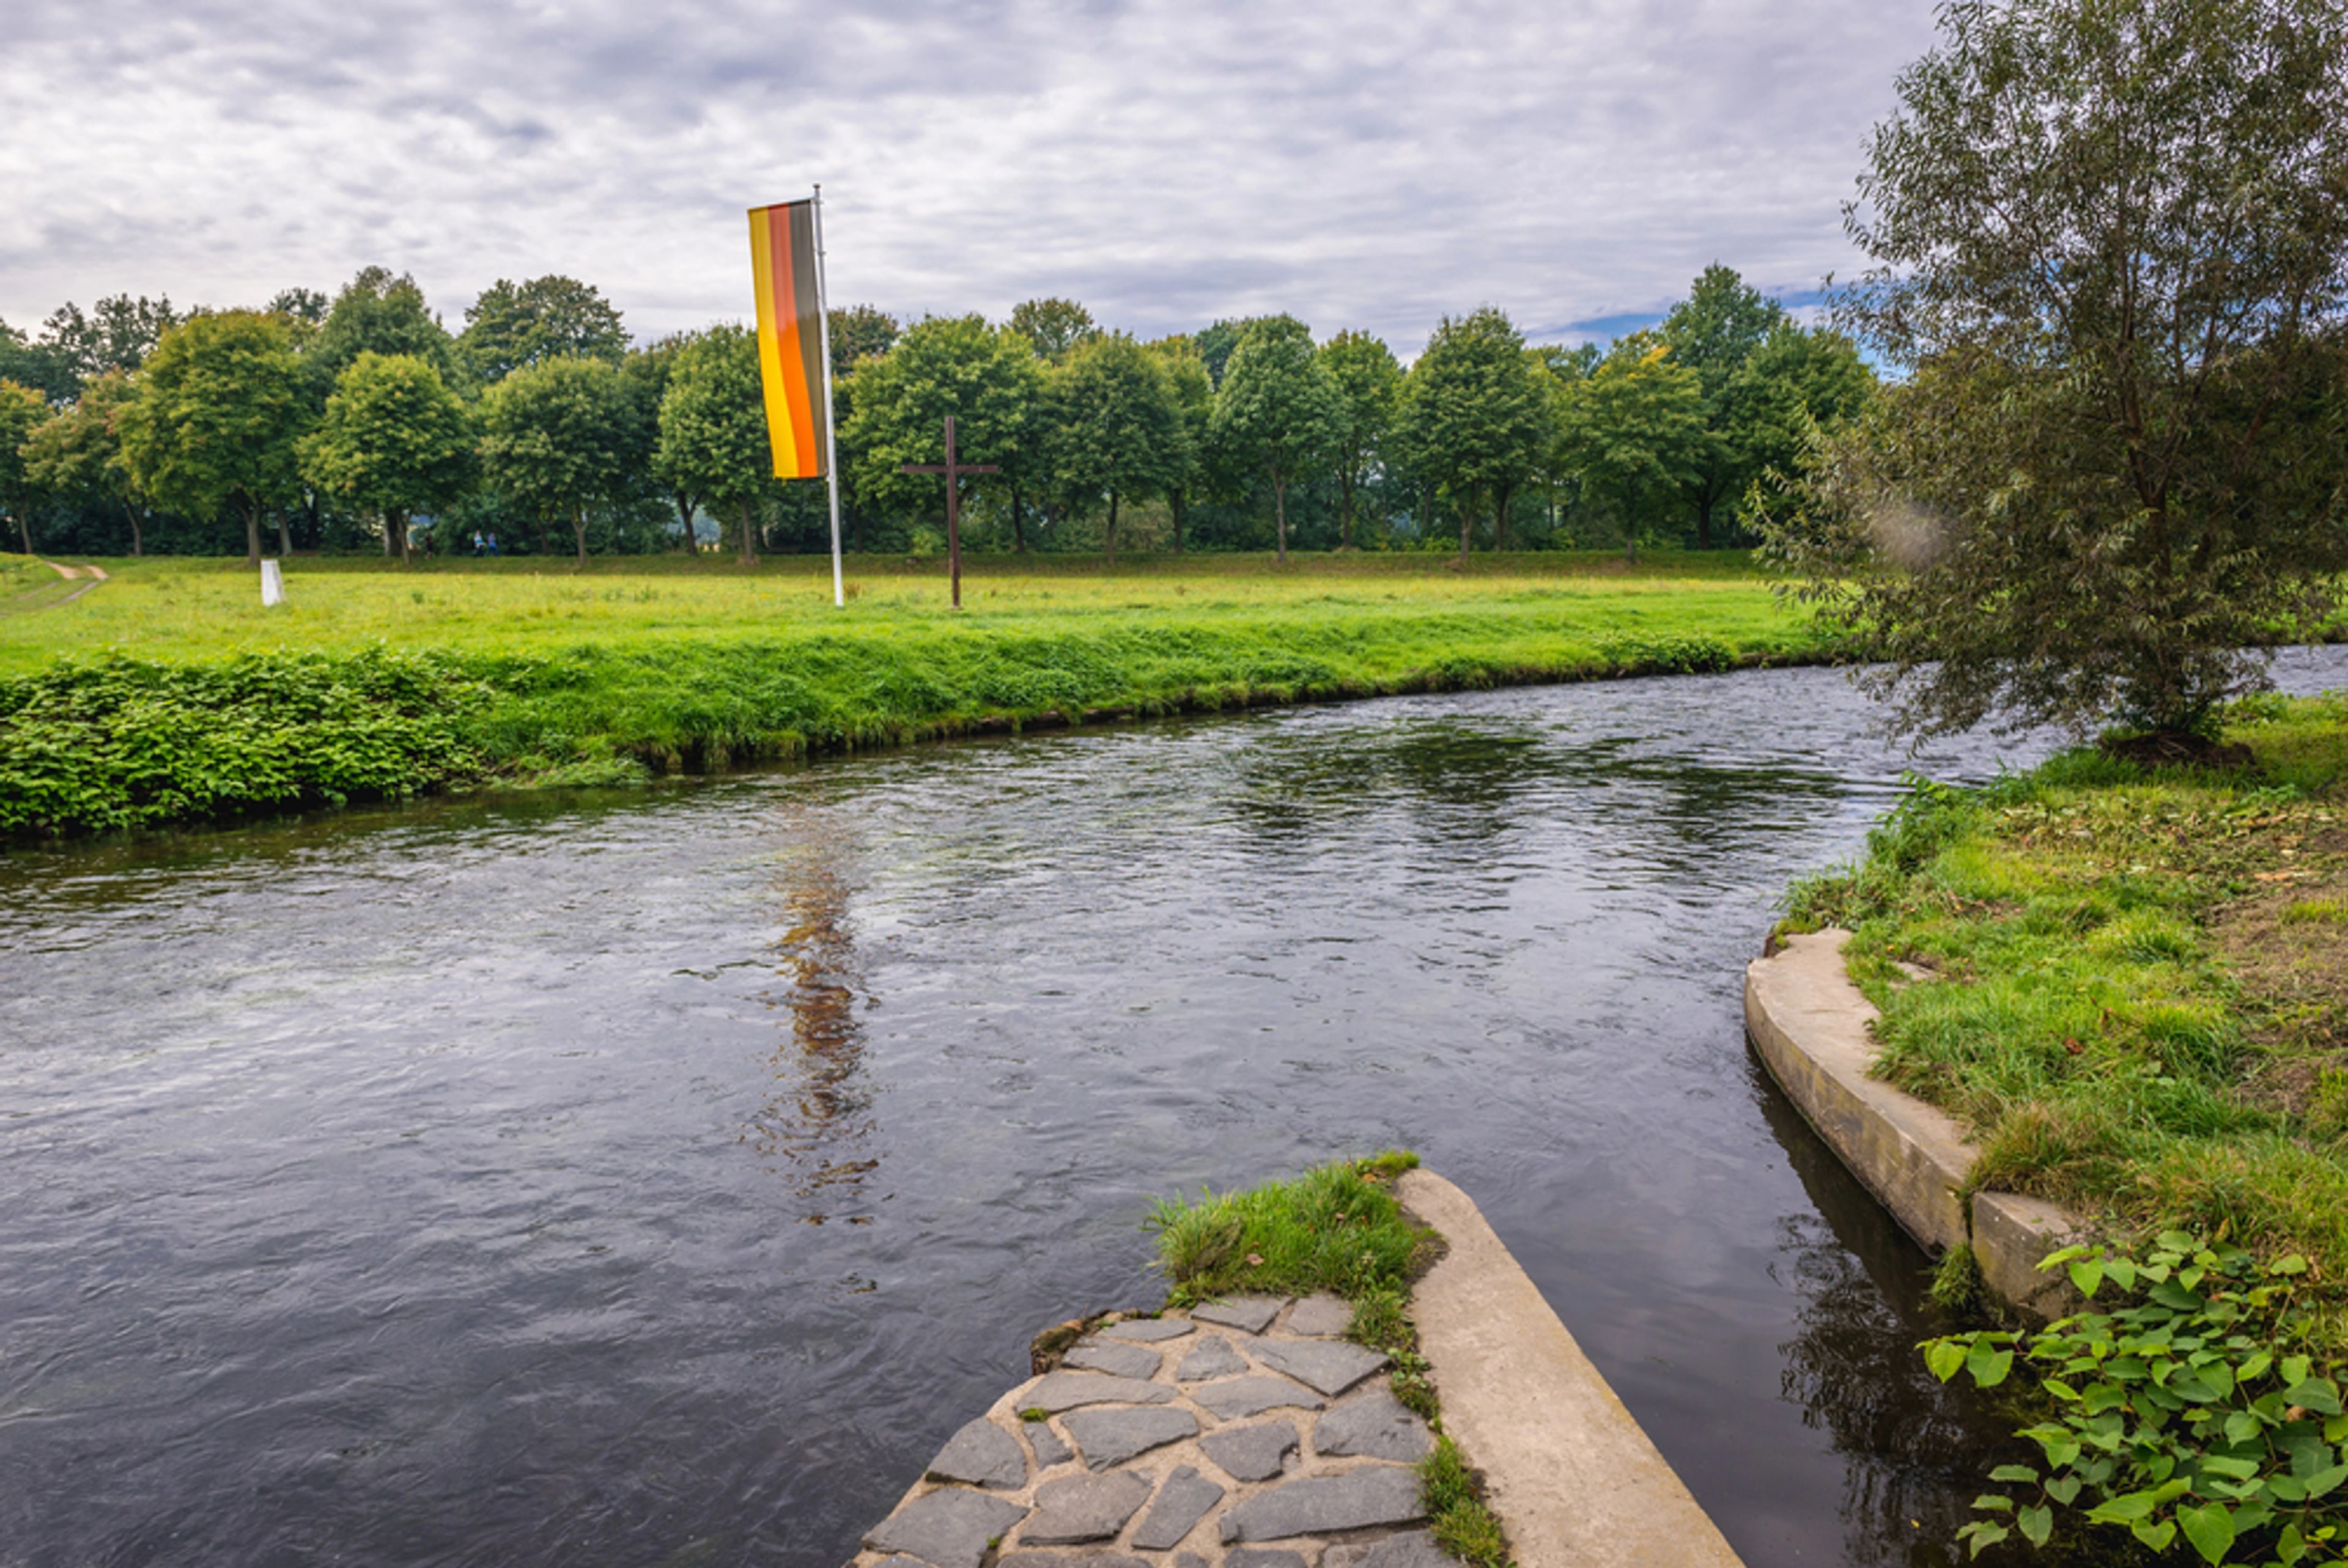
[{"x": 659, "y": 1178}]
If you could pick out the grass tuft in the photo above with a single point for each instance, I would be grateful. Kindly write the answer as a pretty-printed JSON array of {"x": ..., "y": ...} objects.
[
  {"x": 1336, "y": 1228},
  {"x": 1454, "y": 1499}
]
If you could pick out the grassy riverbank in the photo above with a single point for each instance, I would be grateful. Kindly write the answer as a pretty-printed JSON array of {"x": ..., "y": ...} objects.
[
  {"x": 168, "y": 694},
  {"x": 2132, "y": 983}
]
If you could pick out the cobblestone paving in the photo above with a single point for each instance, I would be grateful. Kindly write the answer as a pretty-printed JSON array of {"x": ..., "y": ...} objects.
[{"x": 1245, "y": 1435}]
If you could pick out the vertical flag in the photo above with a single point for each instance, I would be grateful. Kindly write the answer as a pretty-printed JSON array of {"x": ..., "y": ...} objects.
[{"x": 791, "y": 338}]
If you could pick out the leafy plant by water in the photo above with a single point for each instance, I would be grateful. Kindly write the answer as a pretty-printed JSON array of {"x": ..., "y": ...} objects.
[{"x": 2190, "y": 1411}]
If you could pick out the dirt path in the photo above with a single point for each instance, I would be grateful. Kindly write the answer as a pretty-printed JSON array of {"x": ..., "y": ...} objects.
[{"x": 86, "y": 578}]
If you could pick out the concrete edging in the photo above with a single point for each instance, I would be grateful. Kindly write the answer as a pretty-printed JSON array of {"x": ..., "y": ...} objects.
[
  {"x": 1573, "y": 1476},
  {"x": 1815, "y": 1033}
]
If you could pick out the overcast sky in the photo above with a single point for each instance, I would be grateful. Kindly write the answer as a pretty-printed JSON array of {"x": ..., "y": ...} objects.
[{"x": 1366, "y": 165}]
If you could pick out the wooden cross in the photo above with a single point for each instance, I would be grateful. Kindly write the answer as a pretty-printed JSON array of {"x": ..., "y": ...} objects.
[{"x": 953, "y": 471}]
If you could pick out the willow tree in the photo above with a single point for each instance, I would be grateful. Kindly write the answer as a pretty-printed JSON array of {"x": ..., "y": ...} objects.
[{"x": 2110, "y": 240}]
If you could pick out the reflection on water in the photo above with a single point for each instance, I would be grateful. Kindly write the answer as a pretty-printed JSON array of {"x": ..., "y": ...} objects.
[
  {"x": 441, "y": 1186},
  {"x": 817, "y": 1122}
]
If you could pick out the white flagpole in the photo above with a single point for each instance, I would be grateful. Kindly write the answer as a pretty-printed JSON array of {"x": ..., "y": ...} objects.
[{"x": 831, "y": 407}]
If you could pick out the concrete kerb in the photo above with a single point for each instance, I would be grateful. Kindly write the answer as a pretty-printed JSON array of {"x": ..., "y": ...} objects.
[
  {"x": 1815, "y": 1032},
  {"x": 1569, "y": 1474}
]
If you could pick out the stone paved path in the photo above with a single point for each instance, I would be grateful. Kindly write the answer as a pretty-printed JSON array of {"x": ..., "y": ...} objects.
[{"x": 1246, "y": 1435}]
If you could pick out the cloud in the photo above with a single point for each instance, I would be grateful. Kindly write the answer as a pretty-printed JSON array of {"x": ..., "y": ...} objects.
[{"x": 1167, "y": 163}]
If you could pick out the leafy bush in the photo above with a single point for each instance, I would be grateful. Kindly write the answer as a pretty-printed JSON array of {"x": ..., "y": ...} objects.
[{"x": 2189, "y": 1411}]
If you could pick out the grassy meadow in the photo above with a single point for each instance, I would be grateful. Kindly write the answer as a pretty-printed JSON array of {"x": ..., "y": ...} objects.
[
  {"x": 169, "y": 694},
  {"x": 2129, "y": 982}
]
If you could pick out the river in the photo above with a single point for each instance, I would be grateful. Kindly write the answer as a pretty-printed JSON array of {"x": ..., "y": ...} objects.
[{"x": 658, "y": 1177}]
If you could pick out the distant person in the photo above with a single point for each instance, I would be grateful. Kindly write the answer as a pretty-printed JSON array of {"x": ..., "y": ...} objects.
[
  {"x": 477, "y": 543},
  {"x": 493, "y": 544}
]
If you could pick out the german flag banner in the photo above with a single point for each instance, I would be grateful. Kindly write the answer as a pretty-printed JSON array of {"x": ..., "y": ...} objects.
[{"x": 790, "y": 336}]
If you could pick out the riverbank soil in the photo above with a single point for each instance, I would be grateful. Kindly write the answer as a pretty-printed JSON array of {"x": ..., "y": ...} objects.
[
  {"x": 175, "y": 696},
  {"x": 2131, "y": 982}
]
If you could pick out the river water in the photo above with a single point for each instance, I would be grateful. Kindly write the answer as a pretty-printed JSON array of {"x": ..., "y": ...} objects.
[{"x": 658, "y": 1178}]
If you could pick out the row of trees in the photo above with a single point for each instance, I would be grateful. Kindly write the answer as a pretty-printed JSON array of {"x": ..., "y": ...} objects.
[{"x": 346, "y": 419}]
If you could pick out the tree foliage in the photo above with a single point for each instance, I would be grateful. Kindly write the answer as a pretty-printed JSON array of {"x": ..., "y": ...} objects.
[
  {"x": 860, "y": 332},
  {"x": 1276, "y": 411},
  {"x": 990, "y": 381},
  {"x": 219, "y": 412},
  {"x": 1117, "y": 430},
  {"x": 377, "y": 312},
  {"x": 22, "y": 412},
  {"x": 2109, "y": 239},
  {"x": 559, "y": 438},
  {"x": 395, "y": 441},
  {"x": 1053, "y": 326},
  {"x": 1633, "y": 428},
  {"x": 713, "y": 444},
  {"x": 1368, "y": 382},
  {"x": 513, "y": 326},
  {"x": 76, "y": 457},
  {"x": 1478, "y": 413}
]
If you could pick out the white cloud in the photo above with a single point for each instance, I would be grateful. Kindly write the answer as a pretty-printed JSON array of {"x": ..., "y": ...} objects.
[{"x": 1372, "y": 166}]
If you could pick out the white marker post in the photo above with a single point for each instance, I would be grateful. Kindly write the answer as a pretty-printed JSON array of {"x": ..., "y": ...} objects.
[
  {"x": 272, "y": 584},
  {"x": 830, "y": 436}
]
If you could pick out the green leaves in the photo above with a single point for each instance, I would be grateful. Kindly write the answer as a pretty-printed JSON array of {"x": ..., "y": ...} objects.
[{"x": 2186, "y": 1413}]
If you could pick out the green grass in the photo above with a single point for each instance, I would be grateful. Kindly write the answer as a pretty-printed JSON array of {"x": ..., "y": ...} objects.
[
  {"x": 2135, "y": 984},
  {"x": 527, "y": 672},
  {"x": 1336, "y": 1228}
]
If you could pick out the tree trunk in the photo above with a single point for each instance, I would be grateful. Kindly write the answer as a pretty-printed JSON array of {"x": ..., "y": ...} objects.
[
  {"x": 749, "y": 534},
  {"x": 251, "y": 536},
  {"x": 1500, "y": 522},
  {"x": 406, "y": 541},
  {"x": 1018, "y": 524},
  {"x": 579, "y": 532},
  {"x": 1466, "y": 521},
  {"x": 537, "y": 525},
  {"x": 24, "y": 529},
  {"x": 1279, "y": 516},
  {"x": 285, "y": 535},
  {"x": 1346, "y": 532},
  {"x": 685, "y": 510},
  {"x": 138, "y": 538},
  {"x": 1110, "y": 537},
  {"x": 384, "y": 518},
  {"x": 1174, "y": 507}
]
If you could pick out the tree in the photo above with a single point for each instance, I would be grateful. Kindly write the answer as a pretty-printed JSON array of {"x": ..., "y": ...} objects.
[
  {"x": 377, "y": 312},
  {"x": 78, "y": 455},
  {"x": 1632, "y": 429},
  {"x": 2108, "y": 239},
  {"x": 1715, "y": 332},
  {"x": 1369, "y": 387},
  {"x": 1276, "y": 411},
  {"x": 990, "y": 381},
  {"x": 394, "y": 442},
  {"x": 1053, "y": 326},
  {"x": 1801, "y": 382},
  {"x": 860, "y": 332},
  {"x": 1116, "y": 430},
  {"x": 219, "y": 411},
  {"x": 119, "y": 334},
  {"x": 1480, "y": 412},
  {"x": 22, "y": 412},
  {"x": 713, "y": 429},
  {"x": 557, "y": 440},
  {"x": 1194, "y": 399},
  {"x": 512, "y": 326}
]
